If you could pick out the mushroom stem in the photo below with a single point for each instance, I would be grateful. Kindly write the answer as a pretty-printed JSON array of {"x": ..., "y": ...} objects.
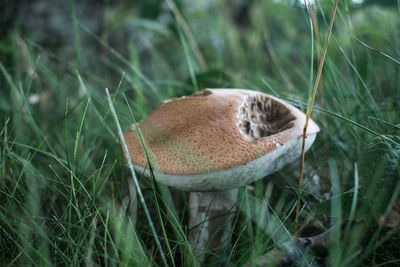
[{"x": 210, "y": 220}]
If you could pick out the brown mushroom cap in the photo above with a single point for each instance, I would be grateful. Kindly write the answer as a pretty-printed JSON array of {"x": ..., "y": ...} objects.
[{"x": 215, "y": 130}]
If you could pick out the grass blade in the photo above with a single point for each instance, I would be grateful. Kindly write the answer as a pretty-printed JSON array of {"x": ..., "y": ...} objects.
[
  {"x": 128, "y": 158},
  {"x": 181, "y": 22},
  {"x": 355, "y": 196}
]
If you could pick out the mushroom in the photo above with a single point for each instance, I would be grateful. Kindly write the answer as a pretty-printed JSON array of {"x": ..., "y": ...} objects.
[{"x": 213, "y": 142}]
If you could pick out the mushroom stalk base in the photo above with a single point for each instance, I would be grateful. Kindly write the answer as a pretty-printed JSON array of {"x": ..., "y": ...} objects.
[{"x": 210, "y": 220}]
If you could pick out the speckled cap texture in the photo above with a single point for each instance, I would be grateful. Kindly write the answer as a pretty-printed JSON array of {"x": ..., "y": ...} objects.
[{"x": 215, "y": 130}]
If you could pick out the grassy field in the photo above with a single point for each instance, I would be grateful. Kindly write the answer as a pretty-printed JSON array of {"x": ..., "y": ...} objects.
[{"x": 66, "y": 194}]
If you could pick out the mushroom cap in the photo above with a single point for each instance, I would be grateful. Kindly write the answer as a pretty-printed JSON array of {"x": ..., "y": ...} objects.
[{"x": 218, "y": 139}]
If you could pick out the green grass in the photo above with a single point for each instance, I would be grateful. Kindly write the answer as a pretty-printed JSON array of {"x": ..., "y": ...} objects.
[{"x": 67, "y": 196}]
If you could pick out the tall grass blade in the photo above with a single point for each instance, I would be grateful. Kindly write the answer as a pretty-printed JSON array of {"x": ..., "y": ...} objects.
[
  {"x": 153, "y": 181},
  {"x": 378, "y": 51},
  {"x": 79, "y": 133},
  {"x": 355, "y": 196},
  {"x": 77, "y": 41},
  {"x": 128, "y": 158},
  {"x": 182, "y": 22},
  {"x": 188, "y": 59}
]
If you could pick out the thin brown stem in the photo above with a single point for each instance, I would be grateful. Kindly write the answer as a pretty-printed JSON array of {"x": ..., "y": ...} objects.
[
  {"x": 310, "y": 106},
  {"x": 316, "y": 33}
]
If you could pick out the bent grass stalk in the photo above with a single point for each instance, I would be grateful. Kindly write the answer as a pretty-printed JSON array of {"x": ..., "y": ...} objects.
[{"x": 310, "y": 106}]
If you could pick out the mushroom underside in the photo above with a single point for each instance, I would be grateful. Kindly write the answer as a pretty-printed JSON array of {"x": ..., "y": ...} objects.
[{"x": 236, "y": 176}]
